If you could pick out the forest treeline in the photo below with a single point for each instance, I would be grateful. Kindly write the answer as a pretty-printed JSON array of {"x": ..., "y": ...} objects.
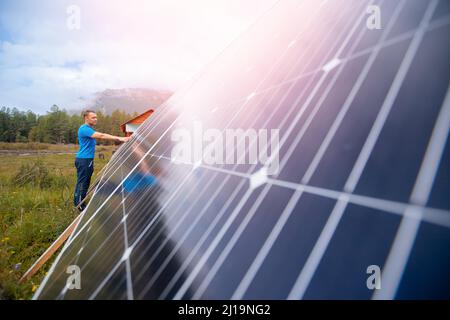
[{"x": 56, "y": 126}]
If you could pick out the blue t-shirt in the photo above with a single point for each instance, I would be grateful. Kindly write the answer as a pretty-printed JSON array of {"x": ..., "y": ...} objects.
[
  {"x": 87, "y": 144},
  {"x": 138, "y": 181}
]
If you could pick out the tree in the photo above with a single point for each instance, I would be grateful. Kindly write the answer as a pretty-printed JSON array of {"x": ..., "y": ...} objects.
[{"x": 56, "y": 126}]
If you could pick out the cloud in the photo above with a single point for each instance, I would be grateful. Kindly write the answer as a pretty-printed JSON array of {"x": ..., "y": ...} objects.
[{"x": 155, "y": 44}]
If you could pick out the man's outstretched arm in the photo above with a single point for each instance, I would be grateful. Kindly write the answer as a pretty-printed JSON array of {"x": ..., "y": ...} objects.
[{"x": 105, "y": 136}]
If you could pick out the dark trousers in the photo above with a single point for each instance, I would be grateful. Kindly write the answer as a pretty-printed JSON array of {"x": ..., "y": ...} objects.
[{"x": 85, "y": 168}]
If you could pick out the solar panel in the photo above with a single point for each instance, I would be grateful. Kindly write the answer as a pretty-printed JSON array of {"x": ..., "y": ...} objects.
[{"x": 362, "y": 116}]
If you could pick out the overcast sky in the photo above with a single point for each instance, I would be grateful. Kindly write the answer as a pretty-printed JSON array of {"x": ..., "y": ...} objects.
[{"x": 157, "y": 44}]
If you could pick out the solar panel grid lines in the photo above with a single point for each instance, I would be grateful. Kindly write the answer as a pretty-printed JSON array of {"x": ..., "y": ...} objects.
[
  {"x": 305, "y": 277},
  {"x": 129, "y": 291},
  {"x": 126, "y": 150},
  {"x": 141, "y": 178},
  {"x": 181, "y": 240},
  {"x": 145, "y": 129},
  {"x": 93, "y": 215},
  {"x": 118, "y": 156},
  {"x": 350, "y": 98},
  {"x": 408, "y": 214},
  {"x": 86, "y": 243},
  {"x": 265, "y": 190},
  {"x": 433, "y": 155},
  {"x": 202, "y": 240},
  {"x": 322, "y": 97},
  {"x": 240, "y": 291},
  {"x": 99, "y": 188},
  {"x": 267, "y": 246},
  {"x": 219, "y": 187},
  {"x": 85, "y": 233},
  {"x": 173, "y": 252},
  {"x": 238, "y": 294},
  {"x": 299, "y": 67},
  {"x": 130, "y": 294},
  {"x": 204, "y": 232},
  {"x": 188, "y": 210},
  {"x": 142, "y": 233},
  {"x": 431, "y": 215},
  {"x": 105, "y": 242},
  {"x": 52, "y": 268},
  {"x": 179, "y": 222},
  {"x": 108, "y": 276},
  {"x": 389, "y": 42},
  {"x": 409, "y": 226},
  {"x": 436, "y": 216},
  {"x": 127, "y": 271},
  {"x": 311, "y": 265},
  {"x": 91, "y": 269},
  {"x": 387, "y": 105}
]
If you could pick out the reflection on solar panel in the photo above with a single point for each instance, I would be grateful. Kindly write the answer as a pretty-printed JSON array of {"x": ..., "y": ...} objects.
[{"x": 363, "y": 116}]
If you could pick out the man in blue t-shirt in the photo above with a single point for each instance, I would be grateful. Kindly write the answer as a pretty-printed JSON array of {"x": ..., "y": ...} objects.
[{"x": 84, "y": 161}]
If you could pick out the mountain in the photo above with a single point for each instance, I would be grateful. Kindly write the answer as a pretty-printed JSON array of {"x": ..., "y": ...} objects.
[{"x": 128, "y": 99}]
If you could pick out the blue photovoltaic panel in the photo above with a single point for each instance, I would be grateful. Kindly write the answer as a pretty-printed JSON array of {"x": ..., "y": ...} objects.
[{"x": 363, "y": 117}]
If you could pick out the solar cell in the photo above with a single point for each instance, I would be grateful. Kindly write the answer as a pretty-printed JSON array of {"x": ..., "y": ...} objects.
[{"x": 363, "y": 117}]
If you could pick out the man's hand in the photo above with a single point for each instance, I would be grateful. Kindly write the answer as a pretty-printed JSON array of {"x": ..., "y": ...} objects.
[{"x": 124, "y": 139}]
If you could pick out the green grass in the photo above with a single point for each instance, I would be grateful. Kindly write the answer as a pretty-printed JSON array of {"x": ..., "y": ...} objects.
[
  {"x": 45, "y": 147},
  {"x": 35, "y": 208},
  {"x": 22, "y": 146}
]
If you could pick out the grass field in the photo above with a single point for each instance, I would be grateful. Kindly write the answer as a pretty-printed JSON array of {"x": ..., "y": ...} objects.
[{"x": 36, "y": 194}]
